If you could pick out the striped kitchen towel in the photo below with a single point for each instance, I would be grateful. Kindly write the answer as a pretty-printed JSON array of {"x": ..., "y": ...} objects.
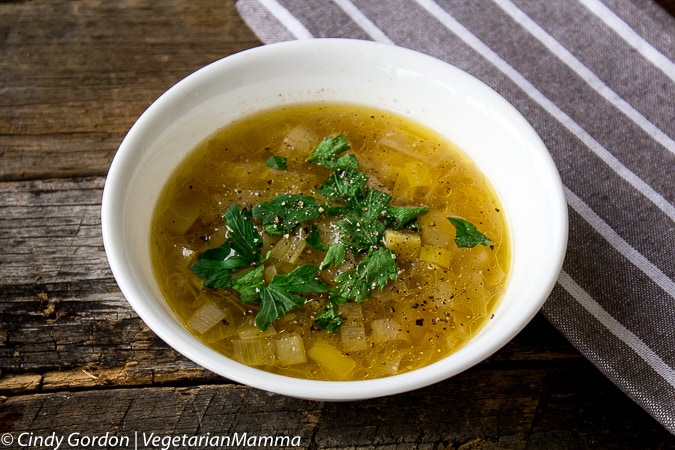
[{"x": 596, "y": 79}]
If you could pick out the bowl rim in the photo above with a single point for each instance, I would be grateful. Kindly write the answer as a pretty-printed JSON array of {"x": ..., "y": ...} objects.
[{"x": 154, "y": 315}]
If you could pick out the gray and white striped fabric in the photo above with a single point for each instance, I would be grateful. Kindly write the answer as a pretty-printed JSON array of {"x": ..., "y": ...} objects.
[{"x": 596, "y": 79}]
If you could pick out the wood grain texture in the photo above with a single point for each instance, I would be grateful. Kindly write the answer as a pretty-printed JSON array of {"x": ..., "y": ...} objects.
[
  {"x": 473, "y": 410},
  {"x": 74, "y": 357},
  {"x": 74, "y": 75}
]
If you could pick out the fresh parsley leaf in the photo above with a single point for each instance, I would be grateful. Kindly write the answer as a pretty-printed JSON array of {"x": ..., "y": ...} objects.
[
  {"x": 225, "y": 256},
  {"x": 242, "y": 247},
  {"x": 301, "y": 280},
  {"x": 350, "y": 287},
  {"x": 314, "y": 239},
  {"x": 373, "y": 272},
  {"x": 378, "y": 267},
  {"x": 346, "y": 162},
  {"x": 242, "y": 235},
  {"x": 467, "y": 235},
  {"x": 277, "y": 162},
  {"x": 330, "y": 319},
  {"x": 280, "y": 297},
  {"x": 326, "y": 154},
  {"x": 372, "y": 206},
  {"x": 275, "y": 304},
  {"x": 335, "y": 255},
  {"x": 216, "y": 272},
  {"x": 284, "y": 213},
  {"x": 361, "y": 233},
  {"x": 249, "y": 284},
  {"x": 404, "y": 216},
  {"x": 343, "y": 185}
]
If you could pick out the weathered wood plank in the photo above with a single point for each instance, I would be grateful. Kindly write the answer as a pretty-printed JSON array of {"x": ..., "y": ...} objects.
[
  {"x": 62, "y": 314},
  {"x": 50, "y": 232},
  {"x": 74, "y": 75},
  {"x": 479, "y": 409}
]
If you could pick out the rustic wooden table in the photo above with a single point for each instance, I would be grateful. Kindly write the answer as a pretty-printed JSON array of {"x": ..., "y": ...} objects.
[{"x": 77, "y": 363}]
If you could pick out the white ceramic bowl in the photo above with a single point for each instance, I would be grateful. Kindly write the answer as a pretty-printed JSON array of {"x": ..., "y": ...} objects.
[{"x": 425, "y": 89}]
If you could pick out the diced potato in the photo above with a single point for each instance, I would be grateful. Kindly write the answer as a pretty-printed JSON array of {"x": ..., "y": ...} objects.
[
  {"x": 436, "y": 255},
  {"x": 387, "y": 330},
  {"x": 205, "y": 317},
  {"x": 268, "y": 242},
  {"x": 352, "y": 331},
  {"x": 290, "y": 350},
  {"x": 288, "y": 249},
  {"x": 253, "y": 352},
  {"x": 332, "y": 359},
  {"x": 405, "y": 244},
  {"x": 413, "y": 179}
]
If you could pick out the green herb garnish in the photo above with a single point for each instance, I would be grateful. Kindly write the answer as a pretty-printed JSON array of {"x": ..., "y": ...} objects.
[
  {"x": 277, "y": 162},
  {"x": 361, "y": 215},
  {"x": 343, "y": 185},
  {"x": 335, "y": 255},
  {"x": 373, "y": 272},
  {"x": 314, "y": 239},
  {"x": 467, "y": 235},
  {"x": 404, "y": 216},
  {"x": 281, "y": 295},
  {"x": 330, "y": 319},
  {"x": 284, "y": 213},
  {"x": 241, "y": 248},
  {"x": 327, "y": 154}
]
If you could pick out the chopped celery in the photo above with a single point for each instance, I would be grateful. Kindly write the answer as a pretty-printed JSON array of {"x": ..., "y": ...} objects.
[
  {"x": 254, "y": 352},
  {"x": 205, "y": 317}
]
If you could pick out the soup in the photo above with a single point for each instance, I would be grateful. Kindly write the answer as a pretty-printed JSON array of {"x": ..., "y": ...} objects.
[{"x": 330, "y": 242}]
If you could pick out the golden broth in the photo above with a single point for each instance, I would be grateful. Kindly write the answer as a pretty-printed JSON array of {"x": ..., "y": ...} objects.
[{"x": 443, "y": 295}]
